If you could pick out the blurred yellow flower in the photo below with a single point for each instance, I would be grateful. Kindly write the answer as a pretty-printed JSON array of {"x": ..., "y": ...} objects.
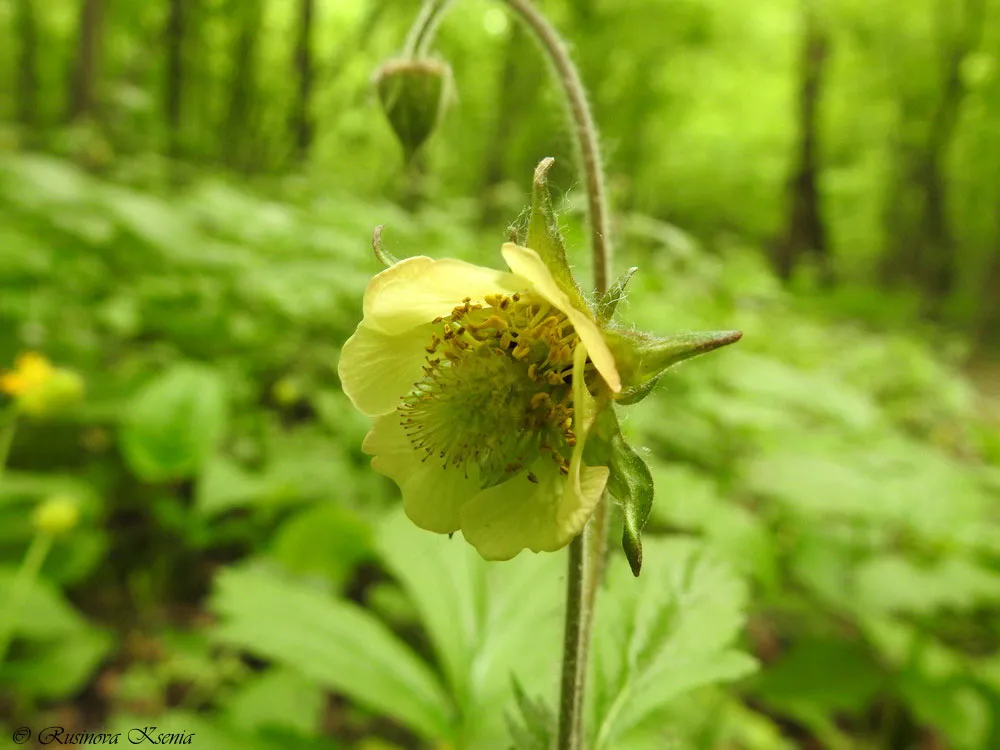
[{"x": 38, "y": 388}]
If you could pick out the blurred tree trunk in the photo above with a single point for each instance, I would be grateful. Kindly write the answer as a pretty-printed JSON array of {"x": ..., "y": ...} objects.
[
  {"x": 175, "y": 76},
  {"x": 83, "y": 78},
  {"x": 237, "y": 128},
  {"x": 303, "y": 128},
  {"x": 805, "y": 232},
  {"x": 937, "y": 267},
  {"x": 922, "y": 247},
  {"x": 26, "y": 85}
]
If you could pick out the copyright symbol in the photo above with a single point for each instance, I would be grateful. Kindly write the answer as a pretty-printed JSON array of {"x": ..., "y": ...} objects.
[{"x": 22, "y": 735}]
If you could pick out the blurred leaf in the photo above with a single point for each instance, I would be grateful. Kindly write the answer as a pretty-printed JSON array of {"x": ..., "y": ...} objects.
[
  {"x": 894, "y": 584},
  {"x": 334, "y": 642},
  {"x": 45, "y": 613},
  {"x": 60, "y": 668},
  {"x": 174, "y": 423},
  {"x": 326, "y": 539},
  {"x": 486, "y": 622},
  {"x": 279, "y": 698}
]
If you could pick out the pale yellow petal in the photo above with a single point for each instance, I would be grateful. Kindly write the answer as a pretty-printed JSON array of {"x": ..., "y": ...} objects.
[
  {"x": 417, "y": 290},
  {"x": 521, "y": 514},
  {"x": 527, "y": 264},
  {"x": 432, "y": 495},
  {"x": 377, "y": 369}
]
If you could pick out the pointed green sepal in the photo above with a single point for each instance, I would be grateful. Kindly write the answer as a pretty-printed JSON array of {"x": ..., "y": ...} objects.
[
  {"x": 545, "y": 238},
  {"x": 629, "y": 482},
  {"x": 642, "y": 358},
  {"x": 608, "y": 302},
  {"x": 381, "y": 254}
]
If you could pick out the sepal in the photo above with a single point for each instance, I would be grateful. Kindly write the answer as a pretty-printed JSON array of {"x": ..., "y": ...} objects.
[
  {"x": 630, "y": 482},
  {"x": 383, "y": 256},
  {"x": 545, "y": 238},
  {"x": 642, "y": 358}
]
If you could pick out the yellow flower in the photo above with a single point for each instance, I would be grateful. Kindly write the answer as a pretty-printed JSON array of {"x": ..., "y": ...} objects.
[
  {"x": 482, "y": 384},
  {"x": 38, "y": 388}
]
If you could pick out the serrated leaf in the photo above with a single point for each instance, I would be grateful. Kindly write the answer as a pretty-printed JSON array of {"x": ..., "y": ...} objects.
[
  {"x": 535, "y": 726},
  {"x": 174, "y": 423},
  {"x": 663, "y": 635},
  {"x": 545, "y": 238},
  {"x": 334, "y": 642}
]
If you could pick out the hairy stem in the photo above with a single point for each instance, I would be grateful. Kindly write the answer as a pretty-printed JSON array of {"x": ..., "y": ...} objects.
[
  {"x": 587, "y": 552},
  {"x": 587, "y": 142}
]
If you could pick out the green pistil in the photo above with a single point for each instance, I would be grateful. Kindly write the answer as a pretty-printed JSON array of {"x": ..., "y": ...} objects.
[{"x": 497, "y": 389}]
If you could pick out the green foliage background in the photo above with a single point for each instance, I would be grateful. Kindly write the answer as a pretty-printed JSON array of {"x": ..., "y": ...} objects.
[{"x": 823, "y": 568}]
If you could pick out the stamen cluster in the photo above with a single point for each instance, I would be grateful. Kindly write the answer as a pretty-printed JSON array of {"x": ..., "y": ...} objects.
[{"x": 497, "y": 388}]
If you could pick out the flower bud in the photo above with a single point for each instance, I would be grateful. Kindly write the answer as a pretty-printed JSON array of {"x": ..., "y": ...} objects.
[
  {"x": 413, "y": 95},
  {"x": 57, "y": 515}
]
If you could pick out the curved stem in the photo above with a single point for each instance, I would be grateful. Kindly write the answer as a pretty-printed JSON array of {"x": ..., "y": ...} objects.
[
  {"x": 587, "y": 552},
  {"x": 422, "y": 31},
  {"x": 588, "y": 147}
]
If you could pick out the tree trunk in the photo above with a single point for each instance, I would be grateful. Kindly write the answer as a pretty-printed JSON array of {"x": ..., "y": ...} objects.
[
  {"x": 174, "y": 90},
  {"x": 302, "y": 124},
  {"x": 805, "y": 232},
  {"x": 923, "y": 248},
  {"x": 236, "y": 132},
  {"x": 86, "y": 65},
  {"x": 26, "y": 84},
  {"x": 937, "y": 266}
]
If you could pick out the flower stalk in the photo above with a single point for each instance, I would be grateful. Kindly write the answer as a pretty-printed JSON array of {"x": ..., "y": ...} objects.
[{"x": 588, "y": 550}]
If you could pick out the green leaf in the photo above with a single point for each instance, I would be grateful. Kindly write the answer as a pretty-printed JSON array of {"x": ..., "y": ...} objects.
[
  {"x": 174, "y": 423},
  {"x": 545, "y": 238},
  {"x": 891, "y": 583},
  {"x": 664, "y": 635},
  {"x": 325, "y": 539},
  {"x": 280, "y": 698},
  {"x": 60, "y": 668},
  {"x": 485, "y": 621},
  {"x": 536, "y": 726},
  {"x": 337, "y": 643}
]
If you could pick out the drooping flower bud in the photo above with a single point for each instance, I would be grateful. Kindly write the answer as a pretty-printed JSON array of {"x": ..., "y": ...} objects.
[{"x": 413, "y": 94}]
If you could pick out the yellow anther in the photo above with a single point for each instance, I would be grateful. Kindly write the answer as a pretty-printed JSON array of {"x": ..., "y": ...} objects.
[
  {"x": 538, "y": 399},
  {"x": 521, "y": 351}
]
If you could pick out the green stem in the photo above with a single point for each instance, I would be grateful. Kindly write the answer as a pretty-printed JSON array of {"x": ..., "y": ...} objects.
[
  {"x": 588, "y": 551},
  {"x": 574, "y": 649},
  {"x": 585, "y": 130},
  {"x": 424, "y": 27},
  {"x": 31, "y": 566}
]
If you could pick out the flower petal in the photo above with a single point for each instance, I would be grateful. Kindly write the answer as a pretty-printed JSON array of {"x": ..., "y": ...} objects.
[
  {"x": 417, "y": 290},
  {"x": 432, "y": 495},
  {"x": 543, "y": 517},
  {"x": 377, "y": 369},
  {"x": 528, "y": 264}
]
